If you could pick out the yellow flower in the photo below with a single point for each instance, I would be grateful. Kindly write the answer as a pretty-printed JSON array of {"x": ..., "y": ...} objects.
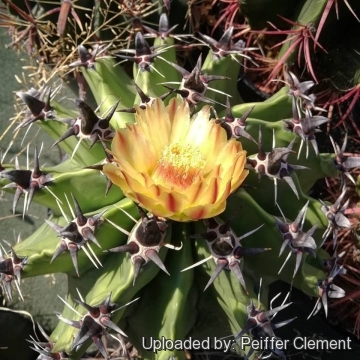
[{"x": 174, "y": 166}]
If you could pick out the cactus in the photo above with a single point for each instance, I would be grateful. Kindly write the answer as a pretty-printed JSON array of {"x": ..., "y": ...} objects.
[{"x": 171, "y": 193}]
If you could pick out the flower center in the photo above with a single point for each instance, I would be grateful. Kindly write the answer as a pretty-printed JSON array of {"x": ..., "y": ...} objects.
[{"x": 179, "y": 165}]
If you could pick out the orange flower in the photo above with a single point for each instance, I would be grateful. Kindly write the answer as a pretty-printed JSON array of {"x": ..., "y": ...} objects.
[{"x": 174, "y": 166}]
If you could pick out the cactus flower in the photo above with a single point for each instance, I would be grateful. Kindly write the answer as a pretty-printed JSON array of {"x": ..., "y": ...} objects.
[{"x": 175, "y": 166}]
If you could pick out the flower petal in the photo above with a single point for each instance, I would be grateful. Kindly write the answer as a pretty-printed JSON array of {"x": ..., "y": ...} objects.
[
  {"x": 140, "y": 152},
  {"x": 202, "y": 212},
  {"x": 116, "y": 177},
  {"x": 239, "y": 173},
  {"x": 199, "y": 130},
  {"x": 153, "y": 122},
  {"x": 180, "y": 116}
]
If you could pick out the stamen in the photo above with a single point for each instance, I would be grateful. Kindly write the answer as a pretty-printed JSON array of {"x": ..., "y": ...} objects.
[{"x": 180, "y": 165}]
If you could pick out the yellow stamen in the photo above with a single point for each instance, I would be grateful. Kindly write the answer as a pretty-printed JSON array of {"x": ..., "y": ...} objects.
[{"x": 179, "y": 165}]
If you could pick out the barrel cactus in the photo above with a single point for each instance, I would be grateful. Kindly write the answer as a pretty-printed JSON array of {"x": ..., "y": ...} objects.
[{"x": 176, "y": 197}]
